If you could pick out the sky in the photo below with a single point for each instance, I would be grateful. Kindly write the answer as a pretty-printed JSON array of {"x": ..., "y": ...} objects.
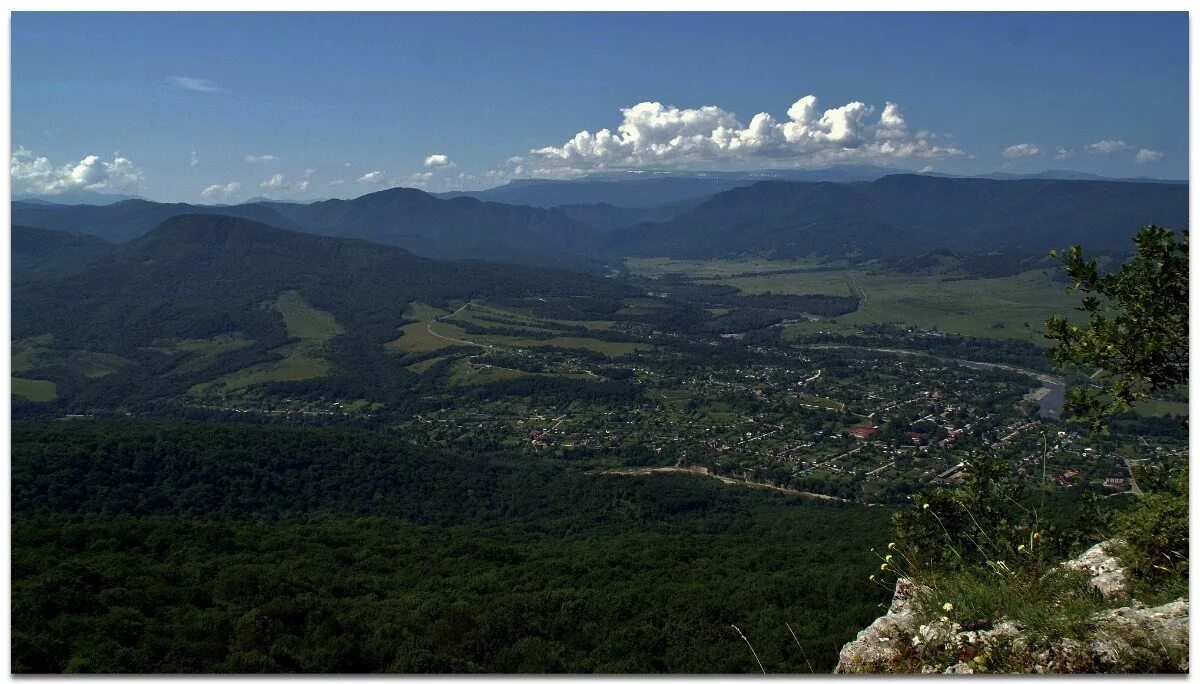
[{"x": 223, "y": 107}]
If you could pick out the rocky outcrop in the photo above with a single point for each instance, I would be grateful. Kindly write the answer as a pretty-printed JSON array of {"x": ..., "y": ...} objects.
[
  {"x": 1131, "y": 638},
  {"x": 1098, "y": 561}
]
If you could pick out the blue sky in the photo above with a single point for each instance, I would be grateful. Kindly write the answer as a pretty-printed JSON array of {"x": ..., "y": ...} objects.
[{"x": 321, "y": 105}]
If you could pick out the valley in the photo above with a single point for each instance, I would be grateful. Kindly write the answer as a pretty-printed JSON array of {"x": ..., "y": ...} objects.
[{"x": 500, "y": 452}]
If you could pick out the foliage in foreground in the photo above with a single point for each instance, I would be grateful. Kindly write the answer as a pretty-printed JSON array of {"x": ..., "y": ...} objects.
[{"x": 1137, "y": 332}]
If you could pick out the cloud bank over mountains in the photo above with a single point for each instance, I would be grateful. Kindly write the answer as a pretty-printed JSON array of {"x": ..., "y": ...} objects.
[
  {"x": 38, "y": 176},
  {"x": 658, "y": 136},
  {"x": 650, "y": 136}
]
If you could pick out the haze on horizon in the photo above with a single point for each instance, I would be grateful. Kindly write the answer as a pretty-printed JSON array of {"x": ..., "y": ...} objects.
[{"x": 223, "y": 107}]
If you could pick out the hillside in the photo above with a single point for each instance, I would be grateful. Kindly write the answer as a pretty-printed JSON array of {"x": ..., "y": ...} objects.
[
  {"x": 35, "y": 250},
  {"x": 401, "y": 217},
  {"x": 902, "y": 215},
  {"x": 128, "y": 219},
  {"x": 195, "y": 276},
  {"x": 443, "y": 228}
]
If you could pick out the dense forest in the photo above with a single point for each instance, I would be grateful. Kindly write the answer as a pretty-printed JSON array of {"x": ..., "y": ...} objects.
[{"x": 172, "y": 546}]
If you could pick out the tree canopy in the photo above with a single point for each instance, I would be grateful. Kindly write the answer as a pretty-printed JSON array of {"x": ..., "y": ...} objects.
[{"x": 1136, "y": 334}]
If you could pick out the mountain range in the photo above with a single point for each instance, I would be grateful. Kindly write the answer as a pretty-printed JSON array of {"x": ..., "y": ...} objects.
[
  {"x": 894, "y": 216},
  {"x": 901, "y": 215}
]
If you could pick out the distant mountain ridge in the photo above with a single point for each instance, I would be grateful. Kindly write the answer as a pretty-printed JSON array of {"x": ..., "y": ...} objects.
[
  {"x": 901, "y": 215},
  {"x": 640, "y": 190},
  {"x": 894, "y": 217},
  {"x": 402, "y": 217}
]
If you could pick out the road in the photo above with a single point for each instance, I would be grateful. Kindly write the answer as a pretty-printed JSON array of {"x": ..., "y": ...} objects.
[{"x": 705, "y": 472}]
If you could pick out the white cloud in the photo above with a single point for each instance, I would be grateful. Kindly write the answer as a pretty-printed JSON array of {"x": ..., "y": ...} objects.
[
  {"x": 1144, "y": 156},
  {"x": 1021, "y": 150},
  {"x": 1061, "y": 153},
  {"x": 221, "y": 193},
  {"x": 194, "y": 160},
  {"x": 278, "y": 185},
  {"x": 339, "y": 181},
  {"x": 436, "y": 160},
  {"x": 36, "y": 175},
  {"x": 1107, "y": 147},
  {"x": 417, "y": 180},
  {"x": 373, "y": 178},
  {"x": 261, "y": 159},
  {"x": 199, "y": 85},
  {"x": 653, "y": 135}
]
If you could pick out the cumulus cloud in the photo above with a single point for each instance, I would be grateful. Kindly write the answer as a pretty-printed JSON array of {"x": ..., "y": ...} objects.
[
  {"x": 1145, "y": 156},
  {"x": 1061, "y": 153},
  {"x": 261, "y": 159},
  {"x": 221, "y": 193},
  {"x": 373, "y": 178},
  {"x": 37, "y": 175},
  {"x": 1021, "y": 150},
  {"x": 199, "y": 85},
  {"x": 1107, "y": 147},
  {"x": 653, "y": 135},
  {"x": 438, "y": 160},
  {"x": 279, "y": 185}
]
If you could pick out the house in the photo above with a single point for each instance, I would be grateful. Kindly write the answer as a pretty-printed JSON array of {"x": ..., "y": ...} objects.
[
  {"x": 1116, "y": 483},
  {"x": 862, "y": 431}
]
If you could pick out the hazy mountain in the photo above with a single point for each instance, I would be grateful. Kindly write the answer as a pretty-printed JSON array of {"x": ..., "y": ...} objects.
[
  {"x": 607, "y": 217},
  {"x": 649, "y": 189},
  {"x": 1063, "y": 174},
  {"x": 646, "y": 189},
  {"x": 444, "y": 228},
  {"x": 900, "y": 215},
  {"x": 196, "y": 276},
  {"x": 35, "y": 250},
  {"x": 77, "y": 197},
  {"x": 402, "y": 217},
  {"x": 125, "y": 220}
]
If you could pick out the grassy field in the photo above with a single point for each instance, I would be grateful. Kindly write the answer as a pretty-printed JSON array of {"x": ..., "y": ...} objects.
[
  {"x": 422, "y": 366},
  {"x": 302, "y": 360},
  {"x": 34, "y": 390},
  {"x": 714, "y": 268},
  {"x": 416, "y": 338},
  {"x": 427, "y": 334},
  {"x": 609, "y": 349},
  {"x": 303, "y": 321},
  {"x": 1012, "y": 307},
  {"x": 215, "y": 345},
  {"x": 480, "y": 313},
  {"x": 30, "y": 354},
  {"x": 1157, "y": 408},
  {"x": 291, "y": 368}
]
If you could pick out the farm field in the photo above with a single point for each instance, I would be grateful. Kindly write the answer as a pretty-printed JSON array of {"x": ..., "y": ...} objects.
[
  {"x": 717, "y": 268},
  {"x": 302, "y": 361},
  {"x": 34, "y": 390},
  {"x": 1010, "y": 307},
  {"x": 435, "y": 330}
]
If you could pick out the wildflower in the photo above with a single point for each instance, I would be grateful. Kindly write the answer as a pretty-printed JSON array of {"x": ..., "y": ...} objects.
[
  {"x": 892, "y": 546},
  {"x": 947, "y": 607},
  {"x": 872, "y": 577},
  {"x": 1021, "y": 548},
  {"x": 945, "y": 619},
  {"x": 883, "y": 566},
  {"x": 888, "y": 558},
  {"x": 924, "y": 506}
]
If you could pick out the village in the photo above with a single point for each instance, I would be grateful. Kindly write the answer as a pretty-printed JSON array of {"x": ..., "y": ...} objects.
[{"x": 845, "y": 423}]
